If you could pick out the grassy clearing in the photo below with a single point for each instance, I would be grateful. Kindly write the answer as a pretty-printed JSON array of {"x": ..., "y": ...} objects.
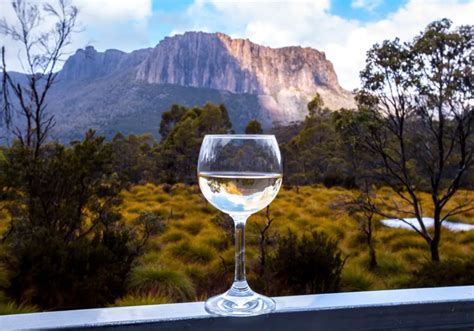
[
  {"x": 192, "y": 258},
  {"x": 194, "y": 246}
]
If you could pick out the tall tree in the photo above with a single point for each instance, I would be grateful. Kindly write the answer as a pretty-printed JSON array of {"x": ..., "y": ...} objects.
[
  {"x": 313, "y": 155},
  {"x": 418, "y": 101},
  {"x": 179, "y": 151},
  {"x": 253, "y": 127},
  {"x": 42, "y": 52}
]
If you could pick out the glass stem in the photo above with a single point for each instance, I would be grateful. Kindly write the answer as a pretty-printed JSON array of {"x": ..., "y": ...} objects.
[{"x": 239, "y": 222}]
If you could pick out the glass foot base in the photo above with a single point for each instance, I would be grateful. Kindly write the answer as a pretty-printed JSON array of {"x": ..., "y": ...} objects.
[{"x": 240, "y": 301}]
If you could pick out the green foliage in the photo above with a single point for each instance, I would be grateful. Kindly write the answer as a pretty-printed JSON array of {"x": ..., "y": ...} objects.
[
  {"x": 253, "y": 127},
  {"x": 159, "y": 282},
  {"x": 316, "y": 106},
  {"x": 133, "y": 158},
  {"x": 66, "y": 246},
  {"x": 315, "y": 154},
  {"x": 310, "y": 264},
  {"x": 179, "y": 150},
  {"x": 418, "y": 96},
  {"x": 170, "y": 118}
]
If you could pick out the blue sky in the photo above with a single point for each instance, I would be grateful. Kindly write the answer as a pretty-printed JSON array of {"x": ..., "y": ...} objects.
[
  {"x": 169, "y": 12},
  {"x": 343, "y": 29}
]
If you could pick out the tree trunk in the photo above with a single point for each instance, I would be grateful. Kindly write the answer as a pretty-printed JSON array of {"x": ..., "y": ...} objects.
[
  {"x": 434, "y": 250},
  {"x": 434, "y": 244},
  {"x": 373, "y": 258}
]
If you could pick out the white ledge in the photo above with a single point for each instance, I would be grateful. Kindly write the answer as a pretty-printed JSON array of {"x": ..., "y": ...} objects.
[{"x": 450, "y": 306}]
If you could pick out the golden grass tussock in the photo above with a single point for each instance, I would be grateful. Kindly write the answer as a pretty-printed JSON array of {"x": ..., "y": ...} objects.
[
  {"x": 357, "y": 278},
  {"x": 192, "y": 252},
  {"x": 8, "y": 308},
  {"x": 174, "y": 235},
  {"x": 158, "y": 281},
  {"x": 141, "y": 300}
]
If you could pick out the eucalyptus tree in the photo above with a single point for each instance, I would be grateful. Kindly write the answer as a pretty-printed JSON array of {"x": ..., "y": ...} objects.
[{"x": 416, "y": 106}]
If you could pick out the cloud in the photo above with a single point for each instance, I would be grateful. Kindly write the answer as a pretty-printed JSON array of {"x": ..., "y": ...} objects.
[
  {"x": 369, "y": 5},
  {"x": 99, "y": 12},
  {"x": 121, "y": 24},
  {"x": 310, "y": 23}
]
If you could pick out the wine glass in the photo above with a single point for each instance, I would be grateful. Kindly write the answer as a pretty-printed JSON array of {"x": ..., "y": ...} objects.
[{"x": 239, "y": 175}]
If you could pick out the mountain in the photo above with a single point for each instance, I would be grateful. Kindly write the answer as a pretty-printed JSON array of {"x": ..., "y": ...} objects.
[{"x": 116, "y": 91}]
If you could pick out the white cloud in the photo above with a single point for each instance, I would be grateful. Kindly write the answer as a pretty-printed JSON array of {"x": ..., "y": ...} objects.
[
  {"x": 106, "y": 24},
  {"x": 107, "y": 11},
  {"x": 366, "y": 4},
  {"x": 309, "y": 23}
]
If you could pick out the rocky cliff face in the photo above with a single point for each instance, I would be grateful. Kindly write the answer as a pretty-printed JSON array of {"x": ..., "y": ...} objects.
[
  {"x": 116, "y": 91},
  {"x": 89, "y": 64},
  {"x": 284, "y": 78}
]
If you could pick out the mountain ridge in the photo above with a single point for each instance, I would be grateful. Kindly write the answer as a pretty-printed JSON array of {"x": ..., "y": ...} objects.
[{"x": 272, "y": 85}]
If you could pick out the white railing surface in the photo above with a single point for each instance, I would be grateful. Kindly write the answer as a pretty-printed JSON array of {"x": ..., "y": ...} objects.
[{"x": 445, "y": 308}]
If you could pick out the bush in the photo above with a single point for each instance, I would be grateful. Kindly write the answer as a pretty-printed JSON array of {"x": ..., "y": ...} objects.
[
  {"x": 454, "y": 272},
  {"x": 67, "y": 246},
  {"x": 310, "y": 264}
]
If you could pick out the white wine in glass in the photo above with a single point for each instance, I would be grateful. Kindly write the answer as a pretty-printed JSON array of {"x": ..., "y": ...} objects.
[
  {"x": 239, "y": 192},
  {"x": 240, "y": 175}
]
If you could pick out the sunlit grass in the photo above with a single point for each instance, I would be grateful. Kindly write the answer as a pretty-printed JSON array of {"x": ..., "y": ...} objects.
[
  {"x": 141, "y": 300},
  {"x": 161, "y": 282},
  {"x": 193, "y": 258},
  {"x": 13, "y": 308},
  {"x": 192, "y": 247}
]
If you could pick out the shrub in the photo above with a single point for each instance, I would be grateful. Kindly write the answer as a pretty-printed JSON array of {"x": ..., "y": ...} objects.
[
  {"x": 310, "y": 264},
  {"x": 67, "y": 247}
]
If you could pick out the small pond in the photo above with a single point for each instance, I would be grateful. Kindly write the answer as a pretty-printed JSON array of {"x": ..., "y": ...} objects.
[{"x": 428, "y": 221}]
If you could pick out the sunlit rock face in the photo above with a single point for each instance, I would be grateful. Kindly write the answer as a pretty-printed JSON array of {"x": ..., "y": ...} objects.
[
  {"x": 115, "y": 91},
  {"x": 285, "y": 78}
]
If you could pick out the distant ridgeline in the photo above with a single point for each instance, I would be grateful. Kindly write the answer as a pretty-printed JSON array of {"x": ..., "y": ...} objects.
[{"x": 115, "y": 91}]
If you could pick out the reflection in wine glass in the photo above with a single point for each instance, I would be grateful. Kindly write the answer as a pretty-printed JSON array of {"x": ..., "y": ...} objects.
[{"x": 240, "y": 175}]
